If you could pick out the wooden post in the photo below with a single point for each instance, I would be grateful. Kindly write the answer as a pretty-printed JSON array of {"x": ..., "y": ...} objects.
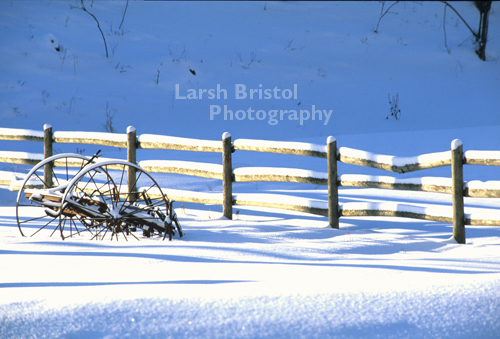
[
  {"x": 333, "y": 191},
  {"x": 227, "y": 176},
  {"x": 47, "y": 152},
  {"x": 457, "y": 179},
  {"x": 131, "y": 157}
]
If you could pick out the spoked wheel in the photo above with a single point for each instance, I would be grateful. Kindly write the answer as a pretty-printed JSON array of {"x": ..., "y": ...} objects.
[
  {"x": 100, "y": 195},
  {"x": 40, "y": 195}
]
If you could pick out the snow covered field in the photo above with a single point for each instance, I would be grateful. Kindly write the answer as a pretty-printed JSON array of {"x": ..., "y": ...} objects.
[{"x": 268, "y": 273}]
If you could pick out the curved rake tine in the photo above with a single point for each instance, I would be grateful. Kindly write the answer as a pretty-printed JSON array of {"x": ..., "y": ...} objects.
[
  {"x": 51, "y": 234},
  {"x": 62, "y": 225},
  {"x": 98, "y": 233},
  {"x": 71, "y": 224},
  {"x": 132, "y": 234},
  {"x": 44, "y": 226},
  {"x": 86, "y": 228},
  {"x": 37, "y": 218}
]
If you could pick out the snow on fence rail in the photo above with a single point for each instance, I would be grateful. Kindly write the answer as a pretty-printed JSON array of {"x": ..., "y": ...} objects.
[
  {"x": 455, "y": 185},
  {"x": 282, "y": 147}
]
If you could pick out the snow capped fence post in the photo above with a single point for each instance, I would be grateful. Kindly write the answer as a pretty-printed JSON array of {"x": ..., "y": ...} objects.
[
  {"x": 333, "y": 192},
  {"x": 227, "y": 177},
  {"x": 131, "y": 157},
  {"x": 457, "y": 178},
  {"x": 47, "y": 152}
]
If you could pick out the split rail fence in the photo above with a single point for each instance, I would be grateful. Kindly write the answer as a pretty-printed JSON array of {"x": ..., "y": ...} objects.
[{"x": 455, "y": 185}]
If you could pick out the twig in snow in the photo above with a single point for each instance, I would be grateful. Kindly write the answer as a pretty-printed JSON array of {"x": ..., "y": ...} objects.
[
  {"x": 123, "y": 18},
  {"x": 444, "y": 30},
  {"x": 98, "y": 25},
  {"x": 383, "y": 14},
  {"x": 466, "y": 24}
]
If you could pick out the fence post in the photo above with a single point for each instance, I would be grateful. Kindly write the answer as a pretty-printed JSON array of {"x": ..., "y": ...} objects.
[
  {"x": 47, "y": 152},
  {"x": 457, "y": 179},
  {"x": 227, "y": 177},
  {"x": 333, "y": 192},
  {"x": 131, "y": 157}
]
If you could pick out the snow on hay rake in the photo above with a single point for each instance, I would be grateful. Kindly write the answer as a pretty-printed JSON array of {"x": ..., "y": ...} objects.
[{"x": 94, "y": 198}]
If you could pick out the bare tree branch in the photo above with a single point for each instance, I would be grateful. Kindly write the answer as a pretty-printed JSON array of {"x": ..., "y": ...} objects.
[
  {"x": 444, "y": 30},
  {"x": 382, "y": 15},
  {"x": 123, "y": 18},
  {"x": 463, "y": 20},
  {"x": 97, "y": 21}
]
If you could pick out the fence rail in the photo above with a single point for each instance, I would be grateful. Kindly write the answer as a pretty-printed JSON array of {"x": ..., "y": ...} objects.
[{"x": 455, "y": 185}]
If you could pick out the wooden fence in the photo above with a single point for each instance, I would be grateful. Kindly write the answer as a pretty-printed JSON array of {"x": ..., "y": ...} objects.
[{"x": 455, "y": 185}]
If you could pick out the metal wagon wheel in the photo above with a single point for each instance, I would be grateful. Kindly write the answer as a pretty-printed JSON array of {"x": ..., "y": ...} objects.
[
  {"x": 40, "y": 195},
  {"x": 100, "y": 194}
]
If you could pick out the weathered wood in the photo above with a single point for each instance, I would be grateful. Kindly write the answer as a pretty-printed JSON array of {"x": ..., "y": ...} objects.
[
  {"x": 394, "y": 185},
  {"x": 21, "y": 134},
  {"x": 227, "y": 177},
  {"x": 458, "y": 191},
  {"x": 392, "y": 213},
  {"x": 282, "y": 206},
  {"x": 182, "y": 167},
  {"x": 188, "y": 196},
  {"x": 333, "y": 191},
  {"x": 151, "y": 141},
  {"x": 281, "y": 147},
  {"x": 195, "y": 200},
  {"x": 132, "y": 157},
  {"x": 484, "y": 158},
  {"x": 393, "y": 168},
  {"x": 483, "y": 162},
  {"x": 480, "y": 189},
  {"x": 281, "y": 201},
  {"x": 21, "y": 161},
  {"x": 278, "y": 178},
  {"x": 20, "y": 137},
  {"x": 481, "y": 193},
  {"x": 389, "y": 165},
  {"x": 47, "y": 152},
  {"x": 92, "y": 138},
  {"x": 481, "y": 222},
  {"x": 7, "y": 182}
]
